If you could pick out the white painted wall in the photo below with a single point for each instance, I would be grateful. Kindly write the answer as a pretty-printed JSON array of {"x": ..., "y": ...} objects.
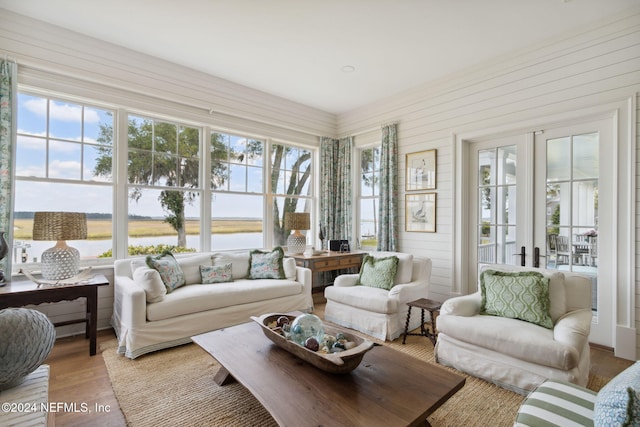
[{"x": 596, "y": 66}]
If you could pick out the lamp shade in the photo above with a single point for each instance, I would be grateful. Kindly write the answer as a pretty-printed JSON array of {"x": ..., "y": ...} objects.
[
  {"x": 297, "y": 221},
  {"x": 59, "y": 226}
]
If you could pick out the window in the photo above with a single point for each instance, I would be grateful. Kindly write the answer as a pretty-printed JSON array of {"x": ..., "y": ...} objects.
[
  {"x": 163, "y": 166},
  {"x": 291, "y": 186},
  {"x": 58, "y": 150},
  {"x": 66, "y": 160},
  {"x": 238, "y": 197},
  {"x": 369, "y": 195}
]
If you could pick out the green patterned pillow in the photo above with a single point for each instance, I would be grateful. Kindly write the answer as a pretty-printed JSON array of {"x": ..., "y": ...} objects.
[
  {"x": 216, "y": 273},
  {"x": 523, "y": 295},
  {"x": 378, "y": 272},
  {"x": 266, "y": 265},
  {"x": 169, "y": 269}
]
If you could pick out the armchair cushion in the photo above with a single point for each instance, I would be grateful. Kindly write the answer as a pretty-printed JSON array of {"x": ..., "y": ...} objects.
[
  {"x": 404, "y": 271},
  {"x": 517, "y": 295},
  {"x": 378, "y": 272}
]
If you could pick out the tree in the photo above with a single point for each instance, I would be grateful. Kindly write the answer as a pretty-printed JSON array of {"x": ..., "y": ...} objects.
[
  {"x": 298, "y": 177},
  {"x": 165, "y": 154}
]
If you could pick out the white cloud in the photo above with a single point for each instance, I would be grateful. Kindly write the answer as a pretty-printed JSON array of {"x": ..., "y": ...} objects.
[
  {"x": 61, "y": 111},
  {"x": 64, "y": 169}
]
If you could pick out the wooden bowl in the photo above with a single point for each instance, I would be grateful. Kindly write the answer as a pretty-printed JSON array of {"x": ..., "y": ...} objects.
[{"x": 335, "y": 363}]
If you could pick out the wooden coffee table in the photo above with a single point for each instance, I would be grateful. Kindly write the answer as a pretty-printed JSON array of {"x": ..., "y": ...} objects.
[{"x": 388, "y": 388}]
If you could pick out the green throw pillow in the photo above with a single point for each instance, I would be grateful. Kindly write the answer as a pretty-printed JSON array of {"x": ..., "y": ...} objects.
[
  {"x": 378, "y": 272},
  {"x": 266, "y": 265},
  {"x": 523, "y": 295},
  {"x": 169, "y": 269},
  {"x": 216, "y": 273}
]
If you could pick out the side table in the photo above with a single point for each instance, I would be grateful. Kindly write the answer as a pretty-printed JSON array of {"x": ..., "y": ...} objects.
[
  {"x": 19, "y": 293},
  {"x": 423, "y": 304}
]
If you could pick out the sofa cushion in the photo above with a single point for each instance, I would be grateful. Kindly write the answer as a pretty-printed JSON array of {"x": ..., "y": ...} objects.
[
  {"x": 216, "y": 273},
  {"x": 169, "y": 269},
  {"x": 517, "y": 295},
  {"x": 378, "y": 272},
  {"x": 404, "y": 271},
  {"x": 136, "y": 263},
  {"x": 365, "y": 297},
  {"x": 618, "y": 402},
  {"x": 239, "y": 262},
  {"x": 195, "y": 299},
  {"x": 151, "y": 282},
  {"x": 266, "y": 265},
  {"x": 190, "y": 266}
]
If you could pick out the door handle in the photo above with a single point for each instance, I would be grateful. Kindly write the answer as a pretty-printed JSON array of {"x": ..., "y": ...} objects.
[
  {"x": 537, "y": 256},
  {"x": 521, "y": 255}
]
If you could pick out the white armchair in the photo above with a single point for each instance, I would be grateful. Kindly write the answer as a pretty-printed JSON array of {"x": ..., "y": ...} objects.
[
  {"x": 378, "y": 312},
  {"x": 515, "y": 354}
]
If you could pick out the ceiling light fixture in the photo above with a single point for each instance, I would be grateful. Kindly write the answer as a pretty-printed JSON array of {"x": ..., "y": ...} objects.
[{"x": 348, "y": 69}]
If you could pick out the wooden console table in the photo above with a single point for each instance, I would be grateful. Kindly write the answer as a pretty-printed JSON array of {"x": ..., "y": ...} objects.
[
  {"x": 19, "y": 293},
  {"x": 329, "y": 261}
]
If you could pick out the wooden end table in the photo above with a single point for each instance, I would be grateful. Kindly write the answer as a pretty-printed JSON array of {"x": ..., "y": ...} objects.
[
  {"x": 423, "y": 304},
  {"x": 21, "y": 292},
  {"x": 329, "y": 261}
]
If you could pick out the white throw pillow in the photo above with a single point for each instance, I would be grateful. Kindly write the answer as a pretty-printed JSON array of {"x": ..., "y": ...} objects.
[
  {"x": 289, "y": 265},
  {"x": 151, "y": 282},
  {"x": 190, "y": 266},
  {"x": 136, "y": 263}
]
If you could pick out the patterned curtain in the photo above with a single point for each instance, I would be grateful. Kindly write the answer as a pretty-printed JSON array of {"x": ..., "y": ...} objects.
[
  {"x": 336, "y": 215},
  {"x": 8, "y": 99},
  {"x": 388, "y": 206}
]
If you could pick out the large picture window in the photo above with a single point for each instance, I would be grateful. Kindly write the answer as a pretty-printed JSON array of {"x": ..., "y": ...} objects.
[
  {"x": 58, "y": 148},
  {"x": 67, "y": 156}
]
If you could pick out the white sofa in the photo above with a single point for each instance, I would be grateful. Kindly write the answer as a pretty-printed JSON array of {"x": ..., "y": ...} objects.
[
  {"x": 515, "y": 354},
  {"x": 378, "y": 312},
  {"x": 143, "y": 326}
]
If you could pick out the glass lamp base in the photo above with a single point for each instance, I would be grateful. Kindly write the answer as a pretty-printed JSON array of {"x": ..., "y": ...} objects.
[
  {"x": 60, "y": 262},
  {"x": 296, "y": 244}
]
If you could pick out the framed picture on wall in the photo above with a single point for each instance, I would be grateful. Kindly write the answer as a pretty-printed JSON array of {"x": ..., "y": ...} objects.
[
  {"x": 420, "y": 212},
  {"x": 421, "y": 170}
]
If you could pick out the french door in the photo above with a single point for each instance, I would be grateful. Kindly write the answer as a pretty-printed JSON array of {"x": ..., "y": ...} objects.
[{"x": 545, "y": 199}]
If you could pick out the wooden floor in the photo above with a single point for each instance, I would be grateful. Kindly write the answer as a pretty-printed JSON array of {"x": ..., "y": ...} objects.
[{"x": 79, "y": 378}]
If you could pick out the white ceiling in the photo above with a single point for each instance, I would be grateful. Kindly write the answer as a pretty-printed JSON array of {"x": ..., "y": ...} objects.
[{"x": 296, "y": 49}]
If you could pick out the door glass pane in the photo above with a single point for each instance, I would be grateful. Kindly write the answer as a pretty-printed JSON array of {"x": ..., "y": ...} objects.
[
  {"x": 497, "y": 205},
  {"x": 558, "y": 157},
  {"x": 572, "y": 205}
]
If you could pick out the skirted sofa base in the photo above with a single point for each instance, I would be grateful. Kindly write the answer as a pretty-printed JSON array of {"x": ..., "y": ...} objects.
[{"x": 143, "y": 326}]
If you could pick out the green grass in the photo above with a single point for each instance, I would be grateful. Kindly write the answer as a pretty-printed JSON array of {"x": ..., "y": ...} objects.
[{"x": 102, "y": 229}]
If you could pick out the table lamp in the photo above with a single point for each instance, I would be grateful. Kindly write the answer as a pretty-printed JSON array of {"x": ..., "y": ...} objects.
[
  {"x": 61, "y": 261},
  {"x": 297, "y": 242}
]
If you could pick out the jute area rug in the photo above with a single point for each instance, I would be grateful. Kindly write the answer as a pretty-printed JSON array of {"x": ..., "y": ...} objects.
[{"x": 175, "y": 387}]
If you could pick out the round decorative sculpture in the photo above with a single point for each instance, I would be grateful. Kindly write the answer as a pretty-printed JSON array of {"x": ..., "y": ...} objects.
[
  {"x": 307, "y": 326},
  {"x": 26, "y": 339}
]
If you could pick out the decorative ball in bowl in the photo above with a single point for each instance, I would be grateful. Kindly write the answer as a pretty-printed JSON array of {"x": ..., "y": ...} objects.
[{"x": 328, "y": 348}]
